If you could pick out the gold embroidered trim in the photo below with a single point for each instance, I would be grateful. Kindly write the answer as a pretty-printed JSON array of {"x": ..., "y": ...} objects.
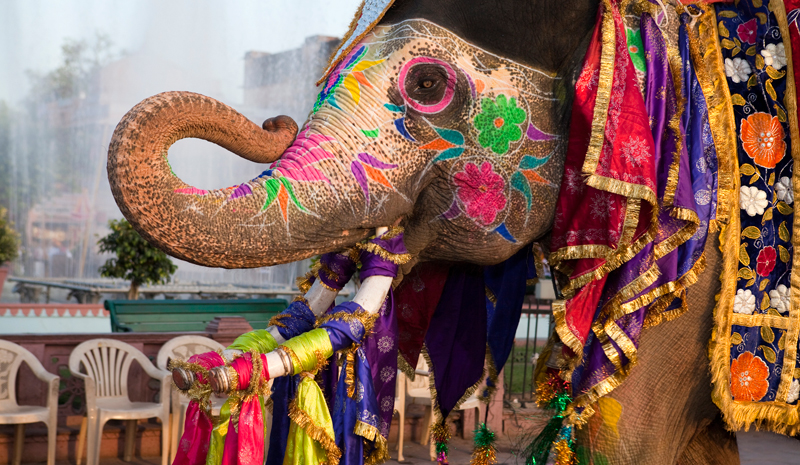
[
  {"x": 405, "y": 367},
  {"x": 350, "y": 372},
  {"x": 436, "y": 410},
  {"x": 775, "y": 416},
  {"x": 790, "y": 102},
  {"x": 315, "y": 432}
]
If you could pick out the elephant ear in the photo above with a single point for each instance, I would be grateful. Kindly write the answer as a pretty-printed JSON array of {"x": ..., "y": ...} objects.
[{"x": 367, "y": 17}]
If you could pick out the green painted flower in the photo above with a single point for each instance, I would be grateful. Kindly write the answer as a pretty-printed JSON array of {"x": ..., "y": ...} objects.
[{"x": 498, "y": 123}]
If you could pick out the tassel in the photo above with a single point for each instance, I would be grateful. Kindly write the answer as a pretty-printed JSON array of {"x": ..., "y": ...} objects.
[
  {"x": 484, "y": 452},
  {"x": 552, "y": 394},
  {"x": 440, "y": 434}
]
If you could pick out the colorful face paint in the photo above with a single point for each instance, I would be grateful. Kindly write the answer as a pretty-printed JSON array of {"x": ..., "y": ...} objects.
[{"x": 412, "y": 102}]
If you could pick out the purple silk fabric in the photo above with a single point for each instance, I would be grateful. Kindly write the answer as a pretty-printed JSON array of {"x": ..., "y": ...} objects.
[
  {"x": 381, "y": 350},
  {"x": 456, "y": 338},
  {"x": 374, "y": 265},
  {"x": 342, "y": 265}
]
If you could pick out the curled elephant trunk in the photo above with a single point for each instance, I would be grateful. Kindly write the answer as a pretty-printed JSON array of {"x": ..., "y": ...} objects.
[{"x": 213, "y": 228}]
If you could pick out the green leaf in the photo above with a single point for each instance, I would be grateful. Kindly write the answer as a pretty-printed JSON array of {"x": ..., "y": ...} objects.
[
  {"x": 288, "y": 186},
  {"x": 765, "y": 302},
  {"x": 736, "y": 339},
  {"x": 767, "y": 215},
  {"x": 774, "y": 73},
  {"x": 767, "y": 334},
  {"x": 780, "y": 112},
  {"x": 744, "y": 257},
  {"x": 784, "y": 254},
  {"x": 271, "y": 186},
  {"x": 783, "y": 232},
  {"x": 751, "y": 232},
  {"x": 784, "y": 208},
  {"x": 520, "y": 183},
  {"x": 770, "y": 89},
  {"x": 763, "y": 284},
  {"x": 769, "y": 354},
  {"x": 747, "y": 169},
  {"x": 372, "y": 133},
  {"x": 746, "y": 273},
  {"x": 723, "y": 31},
  {"x": 737, "y": 99}
]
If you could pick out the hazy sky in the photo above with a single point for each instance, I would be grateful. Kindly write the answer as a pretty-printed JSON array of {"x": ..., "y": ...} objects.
[{"x": 202, "y": 36}]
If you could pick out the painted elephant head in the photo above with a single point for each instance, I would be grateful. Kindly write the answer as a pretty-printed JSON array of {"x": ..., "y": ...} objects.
[{"x": 456, "y": 135}]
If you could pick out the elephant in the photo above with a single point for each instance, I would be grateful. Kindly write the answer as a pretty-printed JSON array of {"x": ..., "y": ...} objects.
[{"x": 425, "y": 123}]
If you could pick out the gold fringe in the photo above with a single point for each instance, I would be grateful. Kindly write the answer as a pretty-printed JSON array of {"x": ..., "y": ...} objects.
[
  {"x": 397, "y": 259},
  {"x": 350, "y": 373},
  {"x": 276, "y": 320},
  {"x": 366, "y": 319},
  {"x": 600, "y": 114},
  {"x": 493, "y": 376},
  {"x": 706, "y": 55},
  {"x": 305, "y": 422},
  {"x": 563, "y": 453},
  {"x": 381, "y": 452}
]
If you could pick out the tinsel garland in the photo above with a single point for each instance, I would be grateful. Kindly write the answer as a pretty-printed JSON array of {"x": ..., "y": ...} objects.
[
  {"x": 552, "y": 394},
  {"x": 440, "y": 434},
  {"x": 484, "y": 452}
]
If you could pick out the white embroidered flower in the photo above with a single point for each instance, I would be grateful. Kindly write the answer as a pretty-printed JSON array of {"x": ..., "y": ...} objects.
[
  {"x": 794, "y": 392},
  {"x": 783, "y": 189},
  {"x": 6, "y": 356},
  {"x": 737, "y": 69},
  {"x": 744, "y": 302},
  {"x": 753, "y": 200},
  {"x": 774, "y": 55},
  {"x": 387, "y": 374},
  {"x": 779, "y": 298},
  {"x": 385, "y": 344}
]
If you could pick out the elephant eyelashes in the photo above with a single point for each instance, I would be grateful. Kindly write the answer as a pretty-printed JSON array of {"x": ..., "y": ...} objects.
[{"x": 427, "y": 84}]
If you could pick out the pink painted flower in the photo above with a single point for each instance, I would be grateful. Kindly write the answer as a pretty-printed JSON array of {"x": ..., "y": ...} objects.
[
  {"x": 747, "y": 31},
  {"x": 482, "y": 191}
]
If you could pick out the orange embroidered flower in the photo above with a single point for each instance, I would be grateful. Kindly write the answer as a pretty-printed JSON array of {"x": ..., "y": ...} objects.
[
  {"x": 749, "y": 378},
  {"x": 762, "y": 139}
]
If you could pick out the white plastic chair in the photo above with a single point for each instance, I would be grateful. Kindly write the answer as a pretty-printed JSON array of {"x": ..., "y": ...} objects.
[
  {"x": 418, "y": 392},
  {"x": 11, "y": 357},
  {"x": 183, "y": 347},
  {"x": 106, "y": 363}
]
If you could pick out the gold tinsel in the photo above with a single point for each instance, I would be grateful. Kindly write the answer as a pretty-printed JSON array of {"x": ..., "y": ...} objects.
[
  {"x": 563, "y": 453},
  {"x": 485, "y": 455}
]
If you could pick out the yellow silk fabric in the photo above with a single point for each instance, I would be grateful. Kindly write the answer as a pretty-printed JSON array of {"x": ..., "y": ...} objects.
[
  {"x": 259, "y": 340},
  {"x": 311, "y": 437},
  {"x": 218, "y": 434},
  {"x": 309, "y": 350}
]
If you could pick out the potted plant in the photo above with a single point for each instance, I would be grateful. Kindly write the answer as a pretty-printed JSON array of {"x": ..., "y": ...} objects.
[
  {"x": 136, "y": 260},
  {"x": 9, "y": 245}
]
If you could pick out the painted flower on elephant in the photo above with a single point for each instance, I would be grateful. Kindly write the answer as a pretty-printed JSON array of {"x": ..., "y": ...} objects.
[
  {"x": 794, "y": 392},
  {"x": 779, "y": 298},
  {"x": 753, "y": 200},
  {"x": 498, "y": 123},
  {"x": 749, "y": 378},
  {"x": 482, "y": 191},
  {"x": 280, "y": 189},
  {"x": 783, "y": 190},
  {"x": 762, "y": 139},
  {"x": 737, "y": 69},
  {"x": 774, "y": 55},
  {"x": 766, "y": 261},
  {"x": 744, "y": 302}
]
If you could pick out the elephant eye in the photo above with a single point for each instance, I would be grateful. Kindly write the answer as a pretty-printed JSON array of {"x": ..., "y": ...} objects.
[{"x": 427, "y": 84}]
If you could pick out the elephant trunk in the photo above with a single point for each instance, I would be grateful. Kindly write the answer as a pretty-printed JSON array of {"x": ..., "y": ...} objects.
[{"x": 226, "y": 227}]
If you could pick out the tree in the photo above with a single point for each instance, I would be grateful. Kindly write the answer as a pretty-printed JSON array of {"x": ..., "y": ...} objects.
[
  {"x": 9, "y": 240},
  {"x": 137, "y": 260}
]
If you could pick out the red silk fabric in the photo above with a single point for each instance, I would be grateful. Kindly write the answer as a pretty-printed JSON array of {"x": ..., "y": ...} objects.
[{"x": 193, "y": 446}]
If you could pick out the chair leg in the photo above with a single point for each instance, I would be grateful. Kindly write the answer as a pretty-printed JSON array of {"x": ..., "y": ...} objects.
[
  {"x": 401, "y": 434},
  {"x": 81, "y": 447},
  {"x": 427, "y": 420},
  {"x": 131, "y": 428},
  {"x": 19, "y": 441},
  {"x": 165, "y": 439},
  {"x": 94, "y": 437},
  {"x": 52, "y": 435},
  {"x": 432, "y": 450}
]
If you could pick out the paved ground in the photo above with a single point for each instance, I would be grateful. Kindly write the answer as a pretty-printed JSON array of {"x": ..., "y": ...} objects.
[{"x": 756, "y": 448}]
